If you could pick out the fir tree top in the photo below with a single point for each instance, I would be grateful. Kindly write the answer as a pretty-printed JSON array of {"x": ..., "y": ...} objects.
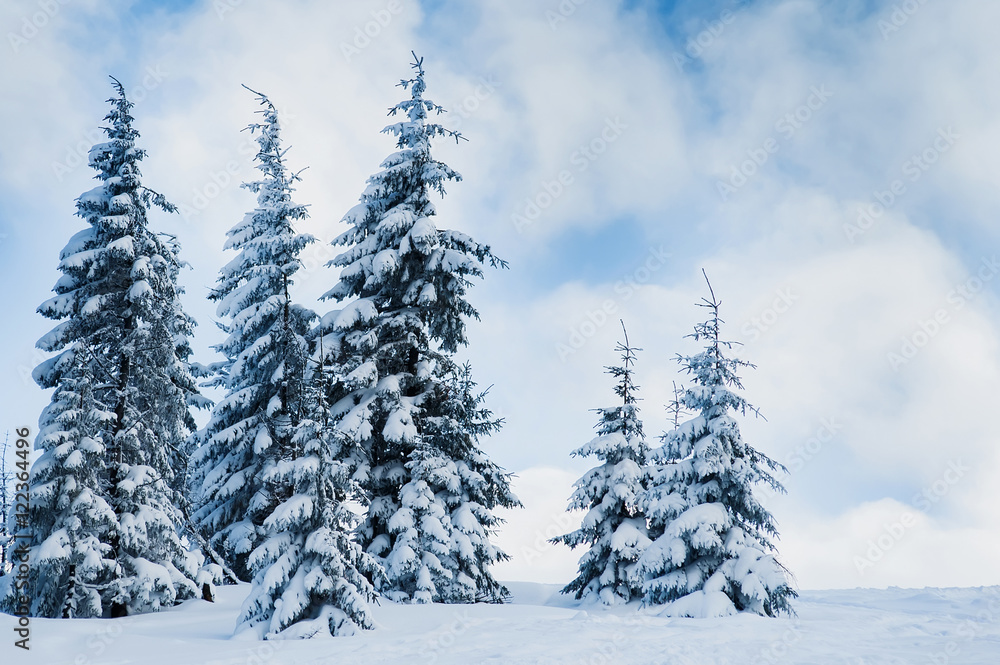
[
  {"x": 267, "y": 242},
  {"x": 275, "y": 189},
  {"x": 398, "y": 263},
  {"x": 415, "y": 133},
  {"x": 619, "y": 429},
  {"x": 714, "y": 373},
  {"x": 707, "y": 458},
  {"x": 118, "y": 270},
  {"x": 117, "y": 164},
  {"x": 626, "y": 388}
]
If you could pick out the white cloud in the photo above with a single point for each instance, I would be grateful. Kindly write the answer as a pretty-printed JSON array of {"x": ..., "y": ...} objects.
[{"x": 887, "y": 543}]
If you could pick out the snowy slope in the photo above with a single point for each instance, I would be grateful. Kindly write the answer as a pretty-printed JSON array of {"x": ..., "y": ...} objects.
[{"x": 855, "y": 627}]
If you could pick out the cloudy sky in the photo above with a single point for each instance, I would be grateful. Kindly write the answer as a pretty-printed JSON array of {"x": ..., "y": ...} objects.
[{"x": 830, "y": 164}]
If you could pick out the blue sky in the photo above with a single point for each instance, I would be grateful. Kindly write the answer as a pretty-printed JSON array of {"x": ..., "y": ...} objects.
[{"x": 747, "y": 138}]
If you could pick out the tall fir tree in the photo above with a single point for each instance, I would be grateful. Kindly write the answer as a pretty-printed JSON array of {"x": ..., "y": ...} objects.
[
  {"x": 614, "y": 526},
  {"x": 712, "y": 553},
  {"x": 310, "y": 576},
  {"x": 252, "y": 427},
  {"x": 112, "y": 440},
  {"x": 405, "y": 281}
]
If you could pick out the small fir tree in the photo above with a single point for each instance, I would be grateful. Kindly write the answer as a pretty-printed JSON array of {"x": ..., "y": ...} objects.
[
  {"x": 713, "y": 553},
  {"x": 614, "y": 526},
  {"x": 310, "y": 577},
  {"x": 470, "y": 486}
]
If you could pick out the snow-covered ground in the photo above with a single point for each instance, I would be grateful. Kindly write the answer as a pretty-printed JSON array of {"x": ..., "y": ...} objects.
[{"x": 850, "y": 627}]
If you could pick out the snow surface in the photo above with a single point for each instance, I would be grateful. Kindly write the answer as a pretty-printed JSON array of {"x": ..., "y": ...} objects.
[{"x": 852, "y": 627}]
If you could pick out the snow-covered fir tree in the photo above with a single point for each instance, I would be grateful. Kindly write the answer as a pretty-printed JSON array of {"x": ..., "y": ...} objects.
[
  {"x": 419, "y": 530},
  {"x": 614, "y": 526},
  {"x": 252, "y": 427},
  {"x": 454, "y": 420},
  {"x": 112, "y": 440},
  {"x": 68, "y": 498},
  {"x": 447, "y": 505},
  {"x": 405, "y": 282},
  {"x": 310, "y": 576},
  {"x": 712, "y": 552}
]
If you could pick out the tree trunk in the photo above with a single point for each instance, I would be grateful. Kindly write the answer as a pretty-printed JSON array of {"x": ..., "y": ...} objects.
[
  {"x": 118, "y": 609},
  {"x": 207, "y": 547},
  {"x": 70, "y": 605}
]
